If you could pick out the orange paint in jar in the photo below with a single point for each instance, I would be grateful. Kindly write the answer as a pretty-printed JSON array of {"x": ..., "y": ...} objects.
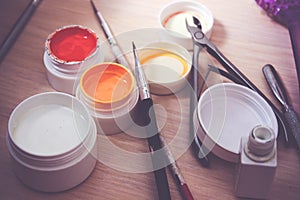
[{"x": 107, "y": 84}]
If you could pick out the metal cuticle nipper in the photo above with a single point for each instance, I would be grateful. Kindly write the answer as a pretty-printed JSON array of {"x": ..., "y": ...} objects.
[{"x": 200, "y": 41}]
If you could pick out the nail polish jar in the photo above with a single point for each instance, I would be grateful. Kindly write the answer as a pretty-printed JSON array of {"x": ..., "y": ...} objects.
[
  {"x": 68, "y": 52},
  {"x": 51, "y": 138},
  {"x": 172, "y": 19},
  {"x": 167, "y": 67},
  {"x": 110, "y": 93}
]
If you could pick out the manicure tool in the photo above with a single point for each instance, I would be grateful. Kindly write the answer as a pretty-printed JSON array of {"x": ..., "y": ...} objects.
[
  {"x": 279, "y": 92},
  {"x": 197, "y": 144},
  {"x": 200, "y": 41}
]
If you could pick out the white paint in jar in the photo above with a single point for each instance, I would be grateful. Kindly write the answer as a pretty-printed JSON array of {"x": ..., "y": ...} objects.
[
  {"x": 50, "y": 130},
  {"x": 52, "y": 141}
]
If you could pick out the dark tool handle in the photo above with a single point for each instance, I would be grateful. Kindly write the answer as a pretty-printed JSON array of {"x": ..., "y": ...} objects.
[
  {"x": 162, "y": 184},
  {"x": 155, "y": 144},
  {"x": 294, "y": 30},
  {"x": 149, "y": 120},
  {"x": 17, "y": 29},
  {"x": 293, "y": 122}
]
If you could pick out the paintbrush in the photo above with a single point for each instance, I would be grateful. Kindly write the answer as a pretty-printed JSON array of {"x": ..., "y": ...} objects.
[
  {"x": 181, "y": 183},
  {"x": 111, "y": 40},
  {"x": 149, "y": 120}
]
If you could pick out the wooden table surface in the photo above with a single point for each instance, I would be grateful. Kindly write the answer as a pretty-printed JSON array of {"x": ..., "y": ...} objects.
[{"x": 242, "y": 31}]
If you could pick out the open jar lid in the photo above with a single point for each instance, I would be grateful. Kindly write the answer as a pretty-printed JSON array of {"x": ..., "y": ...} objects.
[{"x": 227, "y": 112}]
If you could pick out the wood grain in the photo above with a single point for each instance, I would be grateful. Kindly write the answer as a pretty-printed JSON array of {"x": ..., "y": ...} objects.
[{"x": 242, "y": 31}]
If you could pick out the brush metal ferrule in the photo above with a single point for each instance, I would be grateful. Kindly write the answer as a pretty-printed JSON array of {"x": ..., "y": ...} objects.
[{"x": 140, "y": 76}]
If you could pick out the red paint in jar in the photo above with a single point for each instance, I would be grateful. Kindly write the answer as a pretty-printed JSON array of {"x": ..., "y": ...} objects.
[{"x": 72, "y": 44}]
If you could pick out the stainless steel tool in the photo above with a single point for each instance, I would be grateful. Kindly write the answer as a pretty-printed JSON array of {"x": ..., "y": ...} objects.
[
  {"x": 201, "y": 41},
  {"x": 279, "y": 92},
  {"x": 202, "y": 151}
]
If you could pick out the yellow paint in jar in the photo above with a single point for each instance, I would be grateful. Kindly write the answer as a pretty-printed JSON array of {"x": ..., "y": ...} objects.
[{"x": 164, "y": 67}]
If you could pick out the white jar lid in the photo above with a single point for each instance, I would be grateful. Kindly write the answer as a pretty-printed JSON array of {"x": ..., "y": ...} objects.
[{"x": 227, "y": 112}]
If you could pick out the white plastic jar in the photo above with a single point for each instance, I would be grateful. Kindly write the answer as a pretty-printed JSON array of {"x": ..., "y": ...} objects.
[
  {"x": 167, "y": 67},
  {"x": 110, "y": 93},
  {"x": 68, "y": 52},
  {"x": 52, "y": 141},
  {"x": 172, "y": 18}
]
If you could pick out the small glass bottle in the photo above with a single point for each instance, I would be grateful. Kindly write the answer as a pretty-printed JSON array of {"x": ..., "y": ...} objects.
[{"x": 258, "y": 162}]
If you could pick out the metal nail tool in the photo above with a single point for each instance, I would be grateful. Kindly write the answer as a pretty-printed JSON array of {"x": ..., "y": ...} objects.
[
  {"x": 279, "y": 92},
  {"x": 200, "y": 41},
  {"x": 202, "y": 151}
]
